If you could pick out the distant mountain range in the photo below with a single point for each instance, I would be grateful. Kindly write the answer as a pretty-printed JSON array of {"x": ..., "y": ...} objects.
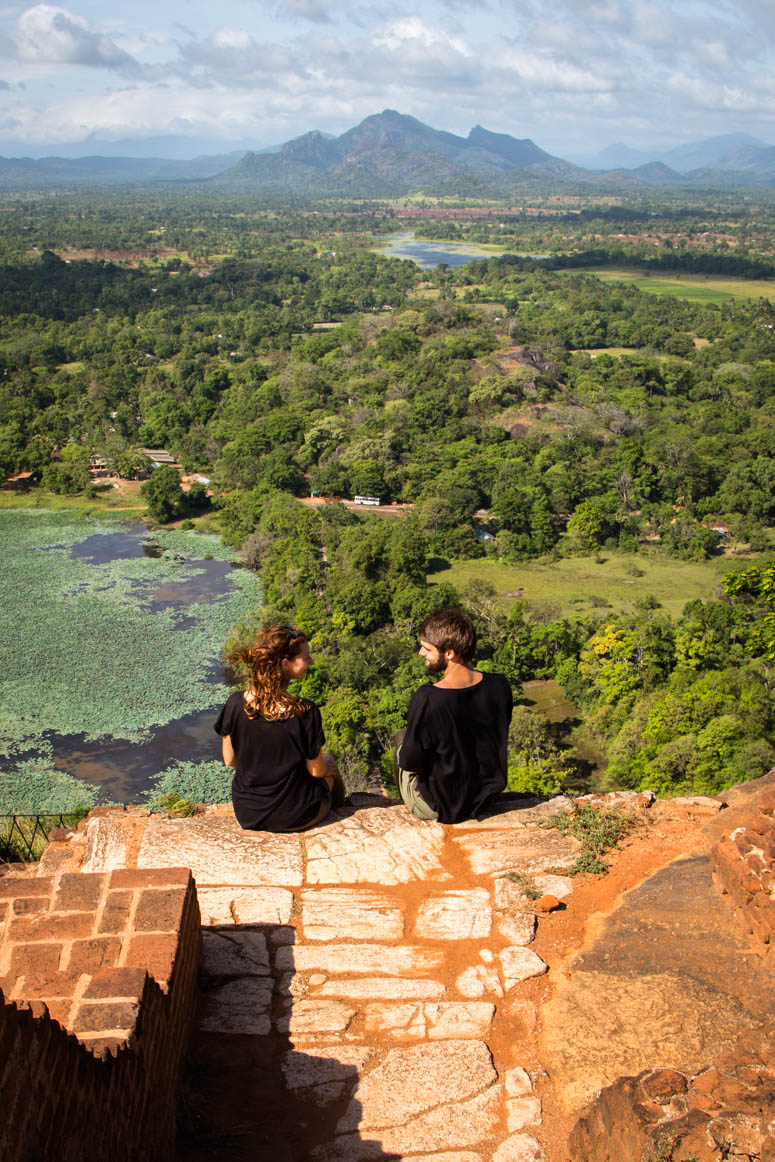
[
  {"x": 46, "y": 172},
  {"x": 390, "y": 154},
  {"x": 711, "y": 153}
]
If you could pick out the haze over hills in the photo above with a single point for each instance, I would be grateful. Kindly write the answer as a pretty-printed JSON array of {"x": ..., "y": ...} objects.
[
  {"x": 710, "y": 153},
  {"x": 391, "y": 154}
]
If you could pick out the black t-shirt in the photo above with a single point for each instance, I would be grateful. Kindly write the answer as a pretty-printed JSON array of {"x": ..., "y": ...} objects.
[
  {"x": 272, "y": 789},
  {"x": 456, "y": 742}
]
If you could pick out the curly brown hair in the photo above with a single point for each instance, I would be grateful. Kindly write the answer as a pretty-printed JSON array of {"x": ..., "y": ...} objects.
[{"x": 260, "y": 664}]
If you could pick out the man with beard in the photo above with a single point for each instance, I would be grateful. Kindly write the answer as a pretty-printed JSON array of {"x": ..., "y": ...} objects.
[{"x": 451, "y": 762}]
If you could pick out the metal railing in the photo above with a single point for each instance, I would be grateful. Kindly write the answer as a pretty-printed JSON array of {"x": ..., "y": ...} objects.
[{"x": 23, "y": 837}]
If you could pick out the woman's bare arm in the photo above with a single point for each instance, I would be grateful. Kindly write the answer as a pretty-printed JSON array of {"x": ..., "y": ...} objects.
[
  {"x": 227, "y": 750},
  {"x": 317, "y": 767}
]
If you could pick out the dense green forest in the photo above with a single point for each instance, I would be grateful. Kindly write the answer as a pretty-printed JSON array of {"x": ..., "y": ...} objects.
[{"x": 271, "y": 349}]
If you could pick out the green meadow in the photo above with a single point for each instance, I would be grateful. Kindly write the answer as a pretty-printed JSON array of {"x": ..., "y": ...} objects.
[
  {"x": 575, "y": 586},
  {"x": 697, "y": 288}
]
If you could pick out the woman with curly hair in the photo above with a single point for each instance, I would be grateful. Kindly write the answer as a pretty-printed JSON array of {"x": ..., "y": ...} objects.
[{"x": 274, "y": 740}]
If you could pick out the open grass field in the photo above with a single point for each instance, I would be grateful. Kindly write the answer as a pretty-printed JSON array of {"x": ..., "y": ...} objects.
[
  {"x": 111, "y": 504},
  {"x": 617, "y": 352},
  {"x": 576, "y": 586},
  {"x": 697, "y": 288}
]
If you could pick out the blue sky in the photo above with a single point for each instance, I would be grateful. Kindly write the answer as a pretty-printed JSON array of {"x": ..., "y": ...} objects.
[{"x": 574, "y": 75}]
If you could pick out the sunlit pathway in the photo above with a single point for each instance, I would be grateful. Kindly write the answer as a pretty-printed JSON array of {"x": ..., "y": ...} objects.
[{"x": 363, "y": 984}]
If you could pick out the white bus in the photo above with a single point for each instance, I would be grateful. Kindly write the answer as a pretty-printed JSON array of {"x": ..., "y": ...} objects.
[{"x": 366, "y": 500}]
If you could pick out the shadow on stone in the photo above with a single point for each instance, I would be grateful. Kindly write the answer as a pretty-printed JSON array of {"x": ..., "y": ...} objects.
[{"x": 268, "y": 1074}]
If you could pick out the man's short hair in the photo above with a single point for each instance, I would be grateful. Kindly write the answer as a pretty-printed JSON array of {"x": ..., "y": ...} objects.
[{"x": 450, "y": 629}]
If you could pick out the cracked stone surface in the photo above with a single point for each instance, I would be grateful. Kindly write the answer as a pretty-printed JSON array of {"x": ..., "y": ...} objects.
[
  {"x": 350, "y": 914},
  {"x": 311, "y": 1016},
  {"x": 371, "y": 988},
  {"x": 325, "y": 1073},
  {"x": 375, "y": 846},
  {"x": 229, "y": 953},
  {"x": 478, "y": 980},
  {"x": 240, "y": 1006},
  {"x": 360, "y": 958},
  {"x": 519, "y": 1148},
  {"x": 518, "y": 964},
  {"x": 463, "y": 1123},
  {"x": 455, "y": 915},
  {"x": 412, "y": 1081},
  {"x": 436, "y": 1021},
  {"x": 245, "y": 905},
  {"x": 528, "y": 851},
  {"x": 218, "y": 851},
  {"x": 522, "y": 1112},
  {"x": 519, "y": 929}
]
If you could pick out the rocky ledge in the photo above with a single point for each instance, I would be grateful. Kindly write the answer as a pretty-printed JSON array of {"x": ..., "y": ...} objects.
[{"x": 378, "y": 988}]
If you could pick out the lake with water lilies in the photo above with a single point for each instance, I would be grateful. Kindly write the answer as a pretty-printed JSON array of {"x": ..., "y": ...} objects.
[
  {"x": 111, "y": 642},
  {"x": 428, "y": 255}
]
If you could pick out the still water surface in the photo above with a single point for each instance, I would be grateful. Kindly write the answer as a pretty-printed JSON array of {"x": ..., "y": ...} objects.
[
  {"x": 427, "y": 255},
  {"x": 124, "y": 770}
]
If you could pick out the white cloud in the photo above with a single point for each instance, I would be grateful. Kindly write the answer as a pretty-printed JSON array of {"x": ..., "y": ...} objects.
[
  {"x": 573, "y": 73},
  {"x": 542, "y": 72},
  {"x": 47, "y": 34},
  {"x": 412, "y": 33}
]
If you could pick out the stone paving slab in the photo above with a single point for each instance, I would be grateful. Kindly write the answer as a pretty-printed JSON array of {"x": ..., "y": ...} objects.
[
  {"x": 315, "y": 1017},
  {"x": 462, "y": 1123},
  {"x": 106, "y": 846},
  {"x": 455, "y": 915},
  {"x": 218, "y": 851},
  {"x": 510, "y": 893},
  {"x": 245, "y": 905},
  {"x": 479, "y": 980},
  {"x": 529, "y": 851},
  {"x": 239, "y": 1006},
  {"x": 375, "y": 846},
  {"x": 522, "y": 1112},
  {"x": 226, "y": 952},
  {"x": 549, "y": 885},
  {"x": 449, "y": 1020},
  {"x": 519, "y": 1148},
  {"x": 324, "y": 1074},
  {"x": 359, "y": 958},
  {"x": 371, "y": 988},
  {"x": 350, "y": 914},
  {"x": 517, "y": 929},
  {"x": 518, "y": 964},
  {"x": 412, "y": 1081}
]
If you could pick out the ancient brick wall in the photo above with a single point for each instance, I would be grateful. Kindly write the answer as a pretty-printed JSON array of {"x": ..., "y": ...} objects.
[
  {"x": 98, "y": 974},
  {"x": 744, "y": 869}
]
